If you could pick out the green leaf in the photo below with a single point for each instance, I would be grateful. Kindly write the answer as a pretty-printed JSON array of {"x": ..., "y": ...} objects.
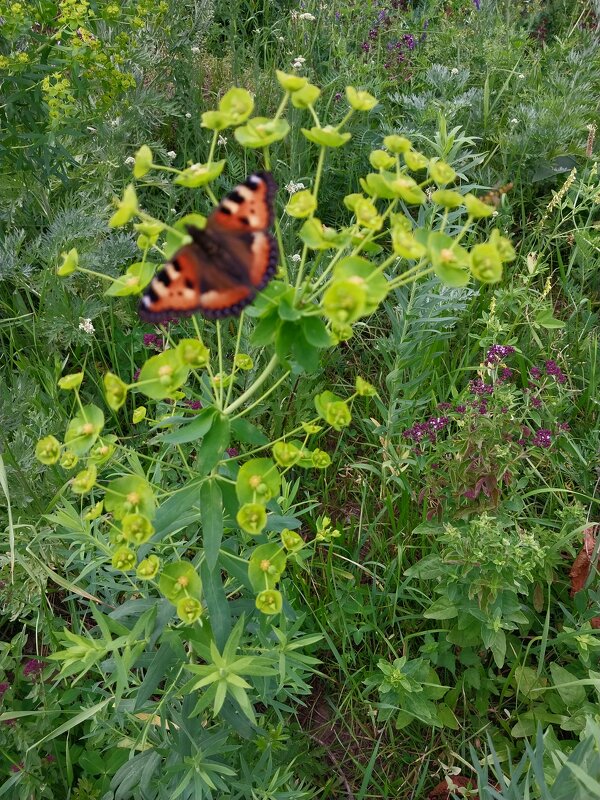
[
  {"x": 211, "y": 510},
  {"x": 441, "y": 608},
  {"x": 315, "y": 332},
  {"x": 166, "y": 656},
  {"x": 573, "y": 695},
  {"x": 216, "y": 603},
  {"x": 546, "y": 319},
  {"x": 261, "y": 131},
  {"x": 258, "y": 481},
  {"x": 213, "y": 445},
  {"x": 246, "y": 432},
  {"x": 193, "y": 430},
  {"x": 84, "y": 429}
]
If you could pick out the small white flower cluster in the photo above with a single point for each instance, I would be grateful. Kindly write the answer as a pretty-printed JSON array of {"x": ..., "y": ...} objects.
[
  {"x": 171, "y": 154},
  {"x": 188, "y": 115},
  {"x": 307, "y": 16},
  {"x": 195, "y": 50},
  {"x": 222, "y": 141},
  {"x": 292, "y": 187},
  {"x": 298, "y": 62},
  {"x": 86, "y": 326},
  {"x": 514, "y": 121},
  {"x": 129, "y": 161},
  {"x": 296, "y": 258},
  {"x": 454, "y": 71}
]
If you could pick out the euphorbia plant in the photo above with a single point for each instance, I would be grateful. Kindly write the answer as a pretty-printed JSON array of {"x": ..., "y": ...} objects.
[{"x": 201, "y": 390}]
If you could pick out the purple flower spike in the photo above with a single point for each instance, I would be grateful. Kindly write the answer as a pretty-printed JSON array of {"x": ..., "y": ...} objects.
[
  {"x": 497, "y": 352},
  {"x": 553, "y": 369},
  {"x": 479, "y": 387},
  {"x": 4, "y": 687},
  {"x": 477, "y": 4}
]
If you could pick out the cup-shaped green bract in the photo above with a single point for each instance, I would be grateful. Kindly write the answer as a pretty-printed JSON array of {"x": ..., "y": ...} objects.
[
  {"x": 397, "y": 144},
  {"x": 414, "y": 160},
  {"x": 148, "y": 569},
  {"x": 197, "y": 175},
  {"x": 449, "y": 260},
  {"x": 126, "y": 210},
  {"x": 193, "y": 352},
  {"x": 302, "y": 204},
  {"x": 179, "y": 580},
  {"x": 333, "y": 410},
  {"x": 319, "y": 237},
  {"x": 406, "y": 188},
  {"x": 269, "y": 601},
  {"x": 68, "y": 459},
  {"x": 367, "y": 215},
  {"x": 216, "y": 120},
  {"x": 252, "y": 518},
  {"x": 364, "y": 388},
  {"x": 377, "y": 184},
  {"x": 102, "y": 451},
  {"x": 364, "y": 274},
  {"x": 380, "y": 159},
  {"x": 47, "y": 450},
  {"x": 261, "y": 131},
  {"x": 344, "y": 300},
  {"x": 505, "y": 249},
  {"x": 286, "y": 453},
  {"x": 291, "y": 540},
  {"x": 447, "y": 198},
  {"x": 327, "y": 136},
  {"x": 320, "y": 459},
  {"x": 237, "y": 104},
  {"x": 137, "y": 528},
  {"x": 124, "y": 559},
  {"x": 162, "y": 375},
  {"x": 258, "y": 481},
  {"x": 243, "y": 361},
  {"x": 70, "y": 262},
  {"x": 476, "y": 208},
  {"x": 142, "y": 162},
  {"x": 128, "y": 495},
  {"x": 189, "y": 610},
  {"x": 70, "y": 382},
  {"x": 441, "y": 172},
  {"x": 94, "y": 511},
  {"x": 306, "y": 96},
  {"x": 84, "y": 481},
  {"x": 360, "y": 100},
  {"x": 136, "y": 278},
  {"x": 139, "y": 414},
  {"x": 115, "y": 391},
  {"x": 486, "y": 264},
  {"x": 266, "y": 566},
  {"x": 290, "y": 83},
  {"x": 84, "y": 429}
]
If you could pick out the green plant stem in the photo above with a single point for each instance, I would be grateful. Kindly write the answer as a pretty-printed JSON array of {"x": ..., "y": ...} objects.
[
  {"x": 263, "y": 396},
  {"x": 221, "y": 386},
  {"x": 234, "y": 367},
  {"x": 254, "y": 388}
]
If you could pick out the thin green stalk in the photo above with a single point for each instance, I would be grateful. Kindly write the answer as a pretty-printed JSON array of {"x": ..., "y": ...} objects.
[
  {"x": 254, "y": 388},
  {"x": 234, "y": 367}
]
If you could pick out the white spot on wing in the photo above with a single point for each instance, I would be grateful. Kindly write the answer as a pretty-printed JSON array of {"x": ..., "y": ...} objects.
[
  {"x": 245, "y": 192},
  {"x": 233, "y": 207}
]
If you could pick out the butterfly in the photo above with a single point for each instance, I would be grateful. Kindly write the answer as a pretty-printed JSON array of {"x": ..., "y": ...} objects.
[
  {"x": 227, "y": 262},
  {"x": 494, "y": 197}
]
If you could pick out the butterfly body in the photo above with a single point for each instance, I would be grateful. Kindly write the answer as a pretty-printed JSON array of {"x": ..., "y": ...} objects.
[{"x": 227, "y": 262}]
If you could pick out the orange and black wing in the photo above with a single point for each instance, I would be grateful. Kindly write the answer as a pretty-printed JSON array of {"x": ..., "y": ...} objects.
[{"x": 219, "y": 273}]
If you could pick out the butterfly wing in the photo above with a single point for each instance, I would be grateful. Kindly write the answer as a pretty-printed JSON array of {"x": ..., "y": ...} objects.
[{"x": 220, "y": 271}]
